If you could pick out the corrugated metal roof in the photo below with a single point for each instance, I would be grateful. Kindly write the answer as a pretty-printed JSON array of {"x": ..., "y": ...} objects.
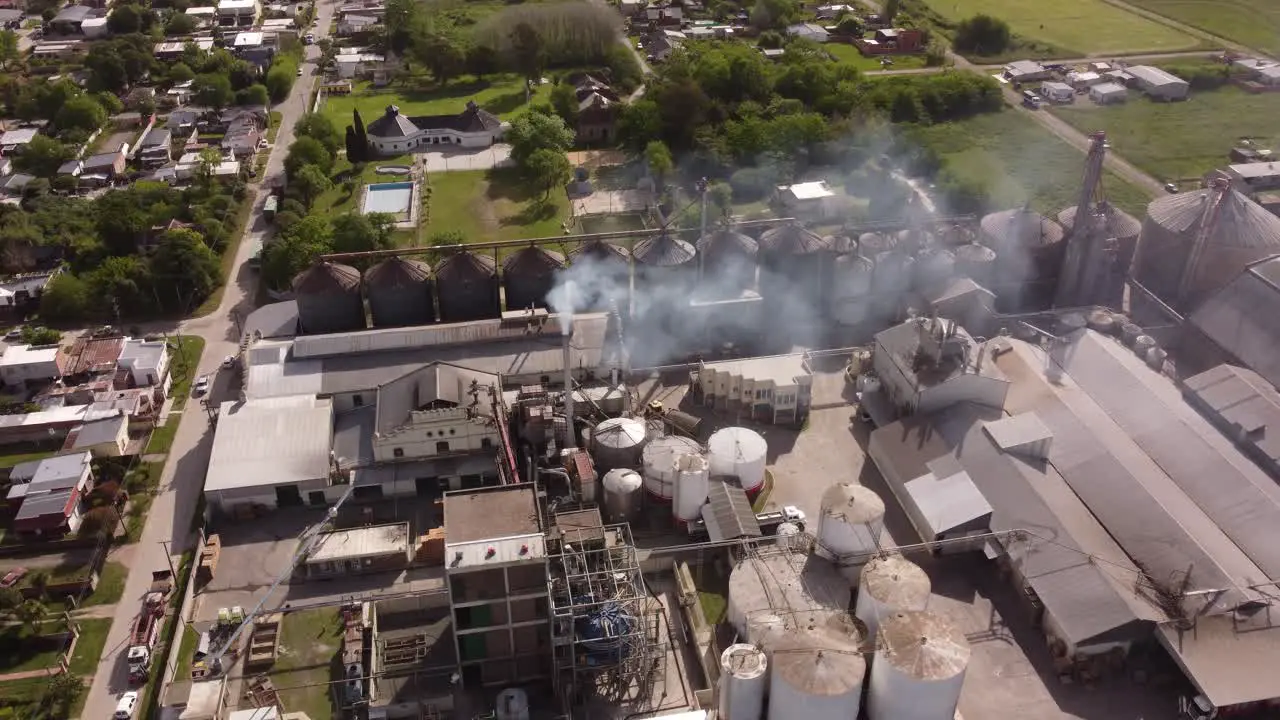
[
  {"x": 723, "y": 241},
  {"x": 261, "y": 443},
  {"x": 1240, "y": 222},
  {"x": 327, "y": 277},
  {"x": 1243, "y": 318},
  {"x": 792, "y": 239},
  {"x": 728, "y": 513},
  {"x": 426, "y": 336},
  {"x": 432, "y": 383},
  {"x": 1020, "y": 227},
  {"x": 395, "y": 272},
  {"x": 1241, "y": 399},
  {"x": 533, "y": 260},
  {"x": 663, "y": 250},
  {"x": 949, "y": 502},
  {"x": 601, "y": 250},
  {"x": 1118, "y": 223},
  {"x": 466, "y": 266},
  {"x": 1230, "y": 661}
]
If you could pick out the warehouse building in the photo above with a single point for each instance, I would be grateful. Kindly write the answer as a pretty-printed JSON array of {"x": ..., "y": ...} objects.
[
  {"x": 1239, "y": 324},
  {"x": 1095, "y": 455},
  {"x": 1157, "y": 83}
]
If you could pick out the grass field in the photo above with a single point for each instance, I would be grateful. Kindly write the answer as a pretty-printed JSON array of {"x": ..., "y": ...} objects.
[
  {"x": 1194, "y": 136},
  {"x": 1082, "y": 27},
  {"x": 1019, "y": 162},
  {"x": 849, "y": 55},
  {"x": 493, "y": 205},
  {"x": 1253, "y": 23},
  {"x": 502, "y": 95},
  {"x": 310, "y": 640}
]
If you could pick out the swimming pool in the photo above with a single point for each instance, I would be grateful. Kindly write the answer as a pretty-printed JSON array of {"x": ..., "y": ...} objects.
[{"x": 392, "y": 198}]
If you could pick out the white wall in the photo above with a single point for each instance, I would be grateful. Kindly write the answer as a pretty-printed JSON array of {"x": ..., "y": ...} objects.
[
  {"x": 963, "y": 388},
  {"x": 421, "y": 436}
]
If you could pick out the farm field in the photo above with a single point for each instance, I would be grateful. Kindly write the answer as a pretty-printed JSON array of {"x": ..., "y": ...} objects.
[
  {"x": 1020, "y": 162},
  {"x": 1083, "y": 27},
  {"x": 1194, "y": 136},
  {"x": 1253, "y": 23}
]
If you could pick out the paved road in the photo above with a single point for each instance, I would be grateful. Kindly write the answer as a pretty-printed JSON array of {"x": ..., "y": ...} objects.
[{"x": 169, "y": 520}]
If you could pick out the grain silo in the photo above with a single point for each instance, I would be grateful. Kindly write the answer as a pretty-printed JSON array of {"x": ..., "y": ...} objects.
[
  {"x": 399, "y": 292},
  {"x": 329, "y": 300},
  {"x": 976, "y": 262},
  {"x": 815, "y": 678},
  {"x": 796, "y": 265},
  {"x": 890, "y": 584},
  {"x": 618, "y": 443},
  {"x": 665, "y": 261},
  {"x": 727, "y": 261},
  {"x": 872, "y": 244},
  {"x": 772, "y": 584},
  {"x": 528, "y": 274},
  {"x": 1194, "y": 243},
  {"x": 468, "y": 287},
  {"x": 890, "y": 281},
  {"x": 934, "y": 267},
  {"x": 850, "y": 523},
  {"x": 739, "y": 452},
  {"x": 658, "y": 461},
  {"x": 692, "y": 486},
  {"x": 743, "y": 677},
  {"x": 610, "y": 265},
  {"x": 622, "y": 488},
  {"x": 1110, "y": 223},
  {"x": 1029, "y": 252},
  {"x": 851, "y": 289},
  {"x": 918, "y": 669}
]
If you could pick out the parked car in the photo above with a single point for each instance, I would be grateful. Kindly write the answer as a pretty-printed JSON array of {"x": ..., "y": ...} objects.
[
  {"x": 229, "y": 361},
  {"x": 14, "y": 334},
  {"x": 201, "y": 386},
  {"x": 12, "y": 577},
  {"x": 128, "y": 703},
  {"x": 299, "y": 72}
]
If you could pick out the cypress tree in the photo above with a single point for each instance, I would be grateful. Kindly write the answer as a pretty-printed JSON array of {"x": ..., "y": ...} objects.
[{"x": 361, "y": 137}]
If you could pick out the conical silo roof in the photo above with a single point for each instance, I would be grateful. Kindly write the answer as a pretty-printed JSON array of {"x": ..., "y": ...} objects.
[
  {"x": 1239, "y": 222},
  {"x": 974, "y": 253},
  {"x": 664, "y": 250},
  {"x": 923, "y": 645},
  {"x": 396, "y": 272},
  {"x": 326, "y": 277},
  {"x": 840, "y": 243},
  {"x": 792, "y": 239},
  {"x": 465, "y": 265},
  {"x": 533, "y": 260},
  {"x": 872, "y": 244},
  {"x": 1119, "y": 224},
  {"x": 725, "y": 241},
  {"x": 601, "y": 250},
  {"x": 1020, "y": 227}
]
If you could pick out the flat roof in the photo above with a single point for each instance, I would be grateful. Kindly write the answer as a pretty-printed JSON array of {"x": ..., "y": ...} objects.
[
  {"x": 28, "y": 355},
  {"x": 1230, "y": 660},
  {"x": 1243, "y": 400},
  {"x": 361, "y": 542},
  {"x": 781, "y": 370},
  {"x": 260, "y": 443},
  {"x": 1255, "y": 170},
  {"x": 96, "y": 432},
  {"x": 948, "y": 502},
  {"x": 811, "y": 190},
  {"x": 579, "y": 526},
  {"x": 494, "y": 552},
  {"x": 497, "y": 512}
]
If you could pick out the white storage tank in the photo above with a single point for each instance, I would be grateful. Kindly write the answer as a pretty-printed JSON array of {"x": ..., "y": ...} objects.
[
  {"x": 740, "y": 452},
  {"x": 816, "y": 678},
  {"x": 890, "y": 584},
  {"x": 850, "y": 523},
  {"x": 918, "y": 670},
  {"x": 743, "y": 677},
  {"x": 692, "y": 484},
  {"x": 512, "y": 704},
  {"x": 622, "y": 495},
  {"x": 782, "y": 585},
  {"x": 658, "y": 460},
  {"x": 789, "y": 537},
  {"x": 618, "y": 443}
]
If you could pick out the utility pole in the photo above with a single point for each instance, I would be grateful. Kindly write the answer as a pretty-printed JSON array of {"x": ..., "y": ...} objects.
[{"x": 169, "y": 558}]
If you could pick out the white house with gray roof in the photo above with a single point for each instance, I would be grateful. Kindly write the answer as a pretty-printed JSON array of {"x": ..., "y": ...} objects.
[{"x": 396, "y": 134}]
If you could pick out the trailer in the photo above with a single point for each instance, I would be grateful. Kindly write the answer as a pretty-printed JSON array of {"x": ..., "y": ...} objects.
[
  {"x": 209, "y": 556},
  {"x": 143, "y": 635}
]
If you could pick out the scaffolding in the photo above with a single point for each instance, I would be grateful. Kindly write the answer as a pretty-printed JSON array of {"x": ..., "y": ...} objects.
[{"x": 606, "y": 634}]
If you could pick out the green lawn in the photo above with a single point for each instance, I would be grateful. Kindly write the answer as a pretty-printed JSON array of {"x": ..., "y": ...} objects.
[
  {"x": 186, "y": 652},
  {"x": 93, "y": 638},
  {"x": 185, "y": 351},
  {"x": 309, "y": 642},
  {"x": 21, "y": 651},
  {"x": 1193, "y": 137},
  {"x": 1019, "y": 161},
  {"x": 343, "y": 197},
  {"x": 493, "y": 205},
  {"x": 713, "y": 606},
  {"x": 502, "y": 95},
  {"x": 1082, "y": 27},
  {"x": 110, "y": 585},
  {"x": 849, "y": 55},
  {"x": 1253, "y": 23}
]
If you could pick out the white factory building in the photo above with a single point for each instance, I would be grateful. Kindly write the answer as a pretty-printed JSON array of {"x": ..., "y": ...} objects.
[
  {"x": 1092, "y": 454},
  {"x": 1157, "y": 83}
]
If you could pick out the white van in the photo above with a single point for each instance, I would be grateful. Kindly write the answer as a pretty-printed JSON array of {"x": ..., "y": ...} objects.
[{"x": 128, "y": 703}]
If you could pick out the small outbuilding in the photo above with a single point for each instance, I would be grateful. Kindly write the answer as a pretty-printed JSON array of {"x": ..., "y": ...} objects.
[
  {"x": 1159, "y": 84},
  {"x": 1108, "y": 93},
  {"x": 1057, "y": 92}
]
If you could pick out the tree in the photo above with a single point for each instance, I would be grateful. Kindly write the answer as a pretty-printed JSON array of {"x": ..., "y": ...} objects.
[
  {"x": 321, "y": 128},
  {"x": 362, "y": 138},
  {"x": 529, "y": 53},
  {"x": 210, "y": 159},
  {"x": 850, "y": 25},
  {"x": 213, "y": 90},
  {"x": 658, "y": 158},
  {"x": 354, "y": 151},
  {"x": 537, "y": 131},
  {"x": 298, "y": 247},
  {"x": 482, "y": 60},
  {"x": 184, "y": 269},
  {"x": 774, "y": 14},
  {"x": 65, "y": 299},
  {"x": 311, "y": 182},
  {"x": 564, "y": 100},
  {"x": 639, "y": 123},
  {"x": 280, "y": 78},
  {"x": 889, "y": 12},
  {"x": 62, "y": 693},
  {"x": 356, "y": 232},
  {"x": 307, "y": 151},
  {"x": 441, "y": 54},
  {"x": 10, "y": 600},
  {"x": 43, "y": 156},
  {"x": 124, "y": 285},
  {"x": 124, "y": 19},
  {"x": 31, "y": 614},
  {"x": 399, "y": 19},
  {"x": 982, "y": 35},
  {"x": 720, "y": 197},
  {"x": 328, "y": 53},
  {"x": 255, "y": 94},
  {"x": 34, "y": 335},
  {"x": 180, "y": 23},
  {"x": 80, "y": 116},
  {"x": 180, "y": 72},
  {"x": 9, "y": 52},
  {"x": 548, "y": 168}
]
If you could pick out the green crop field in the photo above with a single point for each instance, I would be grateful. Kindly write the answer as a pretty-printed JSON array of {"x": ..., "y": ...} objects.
[
  {"x": 1253, "y": 23},
  {"x": 1181, "y": 140},
  {"x": 1081, "y": 27}
]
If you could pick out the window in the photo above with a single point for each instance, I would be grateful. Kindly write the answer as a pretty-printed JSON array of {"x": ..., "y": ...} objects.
[
  {"x": 397, "y": 452},
  {"x": 430, "y": 434},
  {"x": 452, "y": 431},
  {"x": 357, "y": 400},
  {"x": 442, "y": 446},
  {"x": 486, "y": 443}
]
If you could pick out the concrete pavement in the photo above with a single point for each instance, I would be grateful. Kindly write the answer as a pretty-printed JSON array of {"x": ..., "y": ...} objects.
[{"x": 181, "y": 484}]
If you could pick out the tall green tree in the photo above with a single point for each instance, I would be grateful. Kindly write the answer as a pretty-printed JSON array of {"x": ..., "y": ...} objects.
[
  {"x": 213, "y": 90},
  {"x": 357, "y": 232},
  {"x": 61, "y": 694},
  {"x": 124, "y": 285},
  {"x": 658, "y": 157},
  {"x": 441, "y": 54},
  {"x": 185, "y": 271},
  {"x": 80, "y": 117},
  {"x": 9, "y": 53},
  {"x": 529, "y": 54},
  {"x": 320, "y": 127},
  {"x": 311, "y": 182},
  {"x": 564, "y": 100},
  {"x": 549, "y": 169},
  {"x": 32, "y": 614},
  {"x": 362, "y": 137},
  {"x": 65, "y": 299},
  {"x": 535, "y": 130},
  {"x": 307, "y": 151},
  {"x": 298, "y": 247},
  {"x": 43, "y": 156}
]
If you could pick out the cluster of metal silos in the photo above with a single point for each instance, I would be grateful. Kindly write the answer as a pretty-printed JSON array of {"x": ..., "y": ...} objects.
[{"x": 1029, "y": 250}]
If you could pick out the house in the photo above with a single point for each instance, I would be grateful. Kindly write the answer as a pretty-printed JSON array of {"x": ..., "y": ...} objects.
[
  {"x": 395, "y": 134},
  {"x": 238, "y": 13},
  {"x": 774, "y": 389},
  {"x": 248, "y": 40},
  {"x": 887, "y": 41},
  {"x": 1159, "y": 84},
  {"x": 1020, "y": 71},
  {"x": 664, "y": 14},
  {"x": 661, "y": 43},
  {"x": 598, "y": 108},
  {"x": 831, "y": 12},
  {"x": 104, "y": 437},
  {"x": 62, "y": 49},
  {"x": 815, "y": 199},
  {"x": 358, "y": 64},
  {"x": 1256, "y": 176},
  {"x": 353, "y": 24},
  {"x": 108, "y": 164},
  {"x": 186, "y": 120},
  {"x": 773, "y": 53},
  {"x": 168, "y": 50},
  {"x": 1251, "y": 66},
  {"x": 13, "y": 141},
  {"x": 95, "y": 28},
  {"x": 15, "y": 184},
  {"x": 809, "y": 31},
  {"x": 49, "y": 494},
  {"x": 243, "y": 135},
  {"x": 632, "y": 8},
  {"x": 1057, "y": 92},
  {"x": 205, "y": 15},
  {"x": 1269, "y": 76},
  {"x": 71, "y": 168},
  {"x": 1084, "y": 80},
  {"x": 189, "y": 164},
  {"x": 1107, "y": 93},
  {"x": 70, "y": 19},
  {"x": 154, "y": 151},
  {"x": 227, "y": 118},
  {"x": 22, "y": 364},
  {"x": 147, "y": 362},
  {"x": 22, "y": 292}
]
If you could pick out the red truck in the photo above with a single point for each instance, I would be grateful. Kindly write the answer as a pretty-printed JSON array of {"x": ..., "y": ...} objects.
[{"x": 146, "y": 627}]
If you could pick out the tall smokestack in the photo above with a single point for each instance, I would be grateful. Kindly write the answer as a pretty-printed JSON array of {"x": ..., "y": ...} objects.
[{"x": 566, "y": 331}]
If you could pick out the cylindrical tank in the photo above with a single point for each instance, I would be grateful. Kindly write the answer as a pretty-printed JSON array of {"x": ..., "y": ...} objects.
[
  {"x": 743, "y": 677},
  {"x": 850, "y": 289},
  {"x": 769, "y": 630},
  {"x": 814, "y": 678},
  {"x": 976, "y": 262},
  {"x": 528, "y": 275},
  {"x": 933, "y": 267},
  {"x": 918, "y": 670},
  {"x": 659, "y": 462},
  {"x": 1029, "y": 251},
  {"x": 872, "y": 244},
  {"x": 512, "y": 704},
  {"x": 399, "y": 292},
  {"x": 796, "y": 265},
  {"x": 1111, "y": 223},
  {"x": 610, "y": 265},
  {"x": 850, "y": 522},
  {"x": 891, "y": 279},
  {"x": 1143, "y": 344},
  {"x": 890, "y": 584},
  {"x": 784, "y": 585},
  {"x": 728, "y": 263},
  {"x": 1130, "y": 332},
  {"x": 666, "y": 252},
  {"x": 788, "y": 534},
  {"x": 1102, "y": 321},
  {"x": 618, "y": 443},
  {"x": 622, "y": 495},
  {"x": 692, "y": 484},
  {"x": 1156, "y": 357},
  {"x": 739, "y": 452},
  {"x": 329, "y": 301},
  {"x": 468, "y": 287}
]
